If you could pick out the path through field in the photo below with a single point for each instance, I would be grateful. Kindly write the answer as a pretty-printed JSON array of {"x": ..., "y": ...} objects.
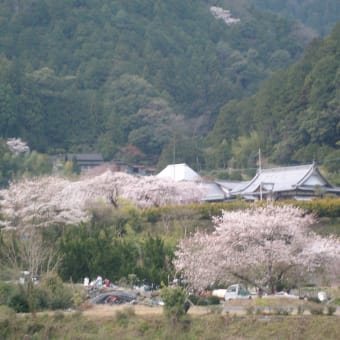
[
  {"x": 235, "y": 307},
  {"x": 107, "y": 311}
]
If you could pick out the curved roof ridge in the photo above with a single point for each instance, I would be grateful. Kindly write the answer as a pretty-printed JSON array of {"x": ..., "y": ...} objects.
[
  {"x": 281, "y": 178},
  {"x": 291, "y": 167},
  {"x": 314, "y": 168}
]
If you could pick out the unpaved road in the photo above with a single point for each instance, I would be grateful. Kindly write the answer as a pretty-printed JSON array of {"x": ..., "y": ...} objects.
[{"x": 107, "y": 311}]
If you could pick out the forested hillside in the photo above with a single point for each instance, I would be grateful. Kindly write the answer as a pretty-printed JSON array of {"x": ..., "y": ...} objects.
[
  {"x": 147, "y": 80},
  {"x": 319, "y": 15},
  {"x": 128, "y": 78},
  {"x": 294, "y": 117}
]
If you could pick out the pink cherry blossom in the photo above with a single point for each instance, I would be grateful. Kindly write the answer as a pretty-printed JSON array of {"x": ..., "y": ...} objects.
[
  {"x": 259, "y": 246},
  {"x": 51, "y": 199}
]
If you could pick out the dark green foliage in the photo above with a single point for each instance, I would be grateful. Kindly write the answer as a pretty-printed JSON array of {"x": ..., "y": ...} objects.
[
  {"x": 54, "y": 293},
  {"x": 86, "y": 253},
  {"x": 19, "y": 303},
  {"x": 316, "y": 310},
  {"x": 156, "y": 261},
  {"x": 173, "y": 298},
  {"x": 330, "y": 310},
  {"x": 7, "y": 291},
  {"x": 313, "y": 13},
  {"x": 50, "y": 293},
  {"x": 295, "y": 113},
  {"x": 89, "y": 251},
  {"x": 336, "y": 301},
  {"x": 326, "y": 207},
  {"x": 204, "y": 301},
  {"x": 314, "y": 299},
  {"x": 120, "y": 77},
  {"x": 14, "y": 166}
]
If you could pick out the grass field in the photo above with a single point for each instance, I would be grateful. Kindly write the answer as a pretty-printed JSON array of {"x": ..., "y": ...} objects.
[{"x": 143, "y": 322}]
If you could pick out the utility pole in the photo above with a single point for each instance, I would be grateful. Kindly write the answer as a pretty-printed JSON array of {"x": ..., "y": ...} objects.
[
  {"x": 174, "y": 156},
  {"x": 260, "y": 169},
  {"x": 260, "y": 164}
]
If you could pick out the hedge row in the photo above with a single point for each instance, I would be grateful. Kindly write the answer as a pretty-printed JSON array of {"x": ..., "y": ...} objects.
[
  {"x": 323, "y": 207},
  {"x": 326, "y": 207}
]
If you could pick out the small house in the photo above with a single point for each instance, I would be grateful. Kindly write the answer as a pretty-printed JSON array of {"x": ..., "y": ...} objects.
[{"x": 85, "y": 161}]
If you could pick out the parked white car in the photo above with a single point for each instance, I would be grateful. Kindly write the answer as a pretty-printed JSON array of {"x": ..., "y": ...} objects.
[
  {"x": 237, "y": 291},
  {"x": 219, "y": 293}
]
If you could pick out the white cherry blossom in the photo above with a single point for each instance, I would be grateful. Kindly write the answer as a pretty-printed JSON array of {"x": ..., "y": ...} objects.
[
  {"x": 260, "y": 246},
  {"x": 52, "y": 199}
]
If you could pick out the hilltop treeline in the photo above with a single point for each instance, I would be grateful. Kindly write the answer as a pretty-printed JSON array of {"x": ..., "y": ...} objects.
[
  {"x": 146, "y": 81},
  {"x": 294, "y": 117},
  {"x": 126, "y": 78}
]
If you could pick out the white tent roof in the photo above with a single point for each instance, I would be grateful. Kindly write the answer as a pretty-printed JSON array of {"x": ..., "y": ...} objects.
[{"x": 179, "y": 172}]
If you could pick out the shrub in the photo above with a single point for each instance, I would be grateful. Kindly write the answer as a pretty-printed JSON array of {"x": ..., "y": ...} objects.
[
  {"x": 204, "y": 301},
  {"x": 213, "y": 300},
  {"x": 316, "y": 310},
  {"x": 35, "y": 327},
  {"x": 174, "y": 299},
  {"x": 259, "y": 310},
  {"x": 283, "y": 311},
  {"x": 313, "y": 299},
  {"x": 336, "y": 301},
  {"x": 19, "y": 302},
  {"x": 78, "y": 297},
  {"x": 301, "y": 309},
  {"x": 41, "y": 298},
  {"x": 58, "y": 316},
  {"x": 331, "y": 310},
  {"x": 122, "y": 318},
  {"x": 329, "y": 207},
  {"x": 143, "y": 327},
  {"x": 6, "y": 291},
  {"x": 59, "y": 296},
  {"x": 51, "y": 282},
  {"x": 7, "y": 315},
  {"x": 62, "y": 299},
  {"x": 250, "y": 310}
]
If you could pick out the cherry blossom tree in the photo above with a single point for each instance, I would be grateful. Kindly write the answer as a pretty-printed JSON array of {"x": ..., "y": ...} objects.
[
  {"x": 51, "y": 199},
  {"x": 16, "y": 145},
  {"x": 260, "y": 246}
]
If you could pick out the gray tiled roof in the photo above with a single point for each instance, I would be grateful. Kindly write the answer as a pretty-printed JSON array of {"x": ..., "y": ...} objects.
[
  {"x": 212, "y": 192},
  {"x": 88, "y": 157},
  {"x": 285, "y": 179},
  {"x": 231, "y": 185}
]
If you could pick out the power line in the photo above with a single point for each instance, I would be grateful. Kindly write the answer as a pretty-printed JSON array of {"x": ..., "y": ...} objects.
[
  {"x": 282, "y": 165},
  {"x": 329, "y": 160}
]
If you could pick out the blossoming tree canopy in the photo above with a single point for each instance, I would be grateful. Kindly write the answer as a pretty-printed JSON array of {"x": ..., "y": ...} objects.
[
  {"x": 52, "y": 199},
  {"x": 260, "y": 246},
  {"x": 16, "y": 145}
]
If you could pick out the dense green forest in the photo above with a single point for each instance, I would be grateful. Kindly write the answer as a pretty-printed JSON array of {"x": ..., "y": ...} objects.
[
  {"x": 295, "y": 115},
  {"x": 137, "y": 80},
  {"x": 319, "y": 15}
]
